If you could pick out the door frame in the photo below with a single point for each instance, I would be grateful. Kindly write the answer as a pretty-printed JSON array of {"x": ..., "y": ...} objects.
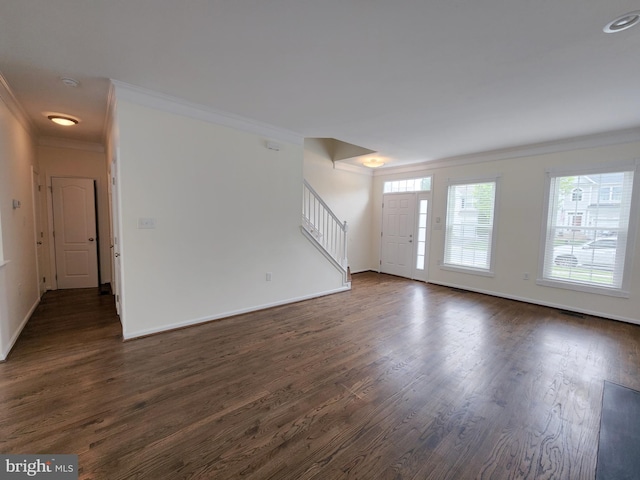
[
  {"x": 38, "y": 229},
  {"x": 115, "y": 240},
  {"x": 421, "y": 275},
  {"x": 52, "y": 246}
]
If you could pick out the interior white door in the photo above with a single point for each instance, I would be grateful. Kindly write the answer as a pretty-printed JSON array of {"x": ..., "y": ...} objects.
[
  {"x": 115, "y": 232},
  {"x": 74, "y": 224},
  {"x": 39, "y": 231},
  {"x": 398, "y": 226}
]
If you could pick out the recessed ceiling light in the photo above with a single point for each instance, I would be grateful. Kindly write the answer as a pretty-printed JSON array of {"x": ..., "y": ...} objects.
[
  {"x": 623, "y": 22},
  {"x": 63, "y": 120},
  {"x": 373, "y": 163}
]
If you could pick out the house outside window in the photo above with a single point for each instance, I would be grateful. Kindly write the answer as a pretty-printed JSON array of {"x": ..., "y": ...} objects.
[
  {"x": 469, "y": 235},
  {"x": 576, "y": 195},
  {"x": 586, "y": 236}
]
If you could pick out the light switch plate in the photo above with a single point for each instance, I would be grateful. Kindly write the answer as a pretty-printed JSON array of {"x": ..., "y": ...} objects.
[{"x": 146, "y": 222}]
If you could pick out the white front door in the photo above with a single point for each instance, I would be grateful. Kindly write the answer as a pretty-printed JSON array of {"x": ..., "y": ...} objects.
[
  {"x": 74, "y": 225},
  {"x": 398, "y": 226}
]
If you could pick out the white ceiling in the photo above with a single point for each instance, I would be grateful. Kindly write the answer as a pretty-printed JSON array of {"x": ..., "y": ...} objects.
[{"x": 415, "y": 80}]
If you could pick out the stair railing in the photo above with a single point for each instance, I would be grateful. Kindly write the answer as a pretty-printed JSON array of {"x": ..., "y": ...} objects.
[{"x": 322, "y": 225}]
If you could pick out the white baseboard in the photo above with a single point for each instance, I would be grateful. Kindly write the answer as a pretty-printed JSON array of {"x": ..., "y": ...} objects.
[
  {"x": 542, "y": 303},
  {"x": 353, "y": 272},
  {"x": 196, "y": 321},
  {"x": 6, "y": 350}
]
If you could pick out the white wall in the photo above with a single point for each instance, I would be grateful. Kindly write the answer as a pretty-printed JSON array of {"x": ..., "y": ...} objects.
[
  {"x": 518, "y": 230},
  {"x": 227, "y": 211},
  {"x": 78, "y": 163},
  {"x": 348, "y": 194},
  {"x": 18, "y": 278}
]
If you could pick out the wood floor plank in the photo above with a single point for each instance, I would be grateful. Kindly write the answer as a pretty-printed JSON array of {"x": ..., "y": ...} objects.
[{"x": 394, "y": 379}]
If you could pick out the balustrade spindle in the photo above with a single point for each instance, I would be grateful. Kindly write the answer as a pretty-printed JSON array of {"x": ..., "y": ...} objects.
[{"x": 323, "y": 225}]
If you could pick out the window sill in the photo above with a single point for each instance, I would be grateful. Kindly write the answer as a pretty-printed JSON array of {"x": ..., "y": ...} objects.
[
  {"x": 470, "y": 270},
  {"x": 579, "y": 287}
]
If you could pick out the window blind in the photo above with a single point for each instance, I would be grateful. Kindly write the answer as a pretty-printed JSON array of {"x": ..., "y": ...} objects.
[{"x": 469, "y": 228}]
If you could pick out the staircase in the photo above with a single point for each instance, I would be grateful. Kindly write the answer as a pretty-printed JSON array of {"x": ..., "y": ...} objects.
[{"x": 321, "y": 226}]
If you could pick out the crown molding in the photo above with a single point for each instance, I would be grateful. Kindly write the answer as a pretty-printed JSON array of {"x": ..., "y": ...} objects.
[
  {"x": 603, "y": 139},
  {"x": 14, "y": 106},
  {"x": 72, "y": 144},
  {"x": 160, "y": 101},
  {"x": 411, "y": 168},
  {"x": 347, "y": 167},
  {"x": 109, "y": 114}
]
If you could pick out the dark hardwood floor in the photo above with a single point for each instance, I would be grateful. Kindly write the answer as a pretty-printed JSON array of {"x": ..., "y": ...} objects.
[{"x": 393, "y": 380}]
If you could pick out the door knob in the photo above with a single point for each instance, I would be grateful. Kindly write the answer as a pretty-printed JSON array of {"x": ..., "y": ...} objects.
[
  {"x": 91, "y": 239},
  {"x": 39, "y": 243},
  {"x": 116, "y": 254}
]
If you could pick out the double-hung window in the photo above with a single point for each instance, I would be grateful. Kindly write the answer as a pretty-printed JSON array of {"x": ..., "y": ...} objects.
[
  {"x": 586, "y": 238},
  {"x": 469, "y": 235}
]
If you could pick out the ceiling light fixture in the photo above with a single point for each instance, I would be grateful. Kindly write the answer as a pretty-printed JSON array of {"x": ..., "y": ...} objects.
[
  {"x": 63, "y": 120},
  {"x": 623, "y": 22},
  {"x": 373, "y": 163},
  {"x": 70, "y": 82}
]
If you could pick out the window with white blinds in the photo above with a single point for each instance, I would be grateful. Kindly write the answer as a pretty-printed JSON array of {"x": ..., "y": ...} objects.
[
  {"x": 586, "y": 235},
  {"x": 469, "y": 238}
]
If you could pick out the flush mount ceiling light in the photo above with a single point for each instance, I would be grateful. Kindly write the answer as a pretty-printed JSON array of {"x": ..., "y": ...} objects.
[
  {"x": 70, "y": 82},
  {"x": 373, "y": 163},
  {"x": 623, "y": 22},
  {"x": 64, "y": 120}
]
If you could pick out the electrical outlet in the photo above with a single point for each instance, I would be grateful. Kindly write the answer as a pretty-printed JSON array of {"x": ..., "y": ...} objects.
[
  {"x": 268, "y": 276},
  {"x": 525, "y": 276}
]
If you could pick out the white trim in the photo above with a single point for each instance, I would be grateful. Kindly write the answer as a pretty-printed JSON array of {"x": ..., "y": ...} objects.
[
  {"x": 5, "y": 351},
  {"x": 488, "y": 272},
  {"x": 422, "y": 274},
  {"x": 632, "y": 226},
  {"x": 603, "y": 139},
  {"x": 347, "y": 167},
  {"x": 582, "y": 287},
  {"x": 71, "y": 144},
  {"x": 36, "y": 204},
  {"x": 108, "y": 116},
  {"x": 409, "y": 178},
  {"x": 470, "y": 270},
  {"x": 314, "y": 241},
  {"x": 560, "y": 306},
  {"x": 160, "y": 101},
  {"x": 609, "y": 167},
  {"x": 15, "y": 107},
  {"x": 415, "y": 167},
  {"x": 475, "y": 179},
  {"x": 196, "y": 321},
  {"x": 363, "y": 270}
]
